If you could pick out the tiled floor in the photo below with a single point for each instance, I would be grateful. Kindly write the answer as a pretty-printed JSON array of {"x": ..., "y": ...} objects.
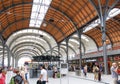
[
  {"x": 66, "y": 80},
  {"x": 70, "y": 79}
]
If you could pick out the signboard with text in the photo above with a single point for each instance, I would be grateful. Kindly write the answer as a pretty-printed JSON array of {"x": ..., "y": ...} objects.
[{"x": 64, "y": 68}]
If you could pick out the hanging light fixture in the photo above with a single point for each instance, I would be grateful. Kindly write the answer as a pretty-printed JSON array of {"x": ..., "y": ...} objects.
[{"x": 44, "y": 24}]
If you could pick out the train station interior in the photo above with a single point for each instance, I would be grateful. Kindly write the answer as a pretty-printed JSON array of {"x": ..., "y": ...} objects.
[{"x": 51, "y": 32}]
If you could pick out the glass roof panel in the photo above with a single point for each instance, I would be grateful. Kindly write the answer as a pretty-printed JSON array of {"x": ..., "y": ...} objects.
[
  {"x": 73, "y": 40},
  {"x": 27, "y": 34},
  {"x": 95, "y": 23},
  {"x": 32, "y": 31},
  {"x": 34, "y": 38},
  {"x": 39, "y": 10}
]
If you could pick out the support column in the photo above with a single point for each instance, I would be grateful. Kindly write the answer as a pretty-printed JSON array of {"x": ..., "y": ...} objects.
[
  {"x": 3, "y": 44},
  {"x": 13, "y": 61},
  {"x": 67, "y": 40},
  {"x": 80, "y": 48},
  {"x": 9, "y": 55},
  {"x": 3, "y": 57},
  {"x": 9, "y": 58},
  {"x": 16, "y": 62},
  {"x": 103, "y": 10},
  {"x": 59, "y": 53}
]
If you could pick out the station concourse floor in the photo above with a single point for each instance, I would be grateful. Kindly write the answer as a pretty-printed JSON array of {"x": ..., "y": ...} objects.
[{"x": 71, "y": 78}]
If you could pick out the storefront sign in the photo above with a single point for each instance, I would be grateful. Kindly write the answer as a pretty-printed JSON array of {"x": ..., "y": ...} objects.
[
  {"x": 101, "y": 59},
  {"x": 116, "y": 58},
  {"x": 91, "y": 60}
]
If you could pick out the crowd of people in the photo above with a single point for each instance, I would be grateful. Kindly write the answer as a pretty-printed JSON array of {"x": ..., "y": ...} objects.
[
  {"x": 21, "y": 74},
  {"x": 114, "y": 73},
  {"x": 98, "y": 70},
  {"x": 2, "y": 75}
]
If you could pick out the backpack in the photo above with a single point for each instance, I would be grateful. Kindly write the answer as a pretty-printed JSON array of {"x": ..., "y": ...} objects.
[
  {"x": 18, "y": 79},
  {"x": 12, "y": 81}
]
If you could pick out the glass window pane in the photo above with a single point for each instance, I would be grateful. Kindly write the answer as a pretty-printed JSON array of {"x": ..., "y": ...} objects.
[{"x": 39, "y": 10}]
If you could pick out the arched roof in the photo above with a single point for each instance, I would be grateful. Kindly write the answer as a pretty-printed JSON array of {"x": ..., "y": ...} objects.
[
  {"x": 62, "y": 19},
  {"x": 16, "y": 16},
  {"x": 112, "y": 32}
]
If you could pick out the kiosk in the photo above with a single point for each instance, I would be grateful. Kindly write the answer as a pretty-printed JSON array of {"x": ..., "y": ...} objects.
[{"x": 64, "y": 68}]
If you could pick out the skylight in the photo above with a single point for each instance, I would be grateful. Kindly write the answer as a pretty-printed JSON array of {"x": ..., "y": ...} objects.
[
  {"x": 95, "y": 23},
  {"x": 39, "y": 10},
  {"x": 75, "y": 41}
]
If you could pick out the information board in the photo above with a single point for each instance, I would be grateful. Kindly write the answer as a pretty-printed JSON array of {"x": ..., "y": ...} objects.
[{"x": 64, "y": 68}]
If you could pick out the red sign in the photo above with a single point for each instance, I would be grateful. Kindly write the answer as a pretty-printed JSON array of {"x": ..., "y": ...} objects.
[
  {"x": 101, "y": 59},
  {"x": 116, "y": 58}
]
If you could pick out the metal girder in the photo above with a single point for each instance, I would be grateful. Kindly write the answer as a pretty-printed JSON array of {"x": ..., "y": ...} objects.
[
  {"x": 62, "y": 48},
  {"x": 2, "y": 40},
  {"x": 29, "y": 35},
  {"x": 103, "y": 14},
  {"x": 25, "y": 54},
  {"x": 56, "y": 46},
  {"x": 29, "y": 28},
  {"x": 82, "y": 27},
  {"x": 26, "y": 50},
  {"x": 108, "y": 37},
  {"x": 6, "y": 14},
  {"x": 55, "y": 27},
  {"x": 14, "y": 5},
  {"x": 93, "y": 40},
  {"x": 14, "y": 15},
  {"x": 116, "y": 19},
  {"x": 65, "y": 45},
  {"x": 29, "y": 18},
  {"x": 72, "y": 21},
  {"x": 1, "y": 53},
  {"x": 28, "y": 43},
  {"x": 65, "y": 16},
  {"x": 70, "y": 48},
  {"x": 13, "y": 23},
  {"x": 23, "y": 46},
  {"x": 57, "y": 52},
  {"x": 81, "y": 43},
  {"x": 67, "y": 40}
]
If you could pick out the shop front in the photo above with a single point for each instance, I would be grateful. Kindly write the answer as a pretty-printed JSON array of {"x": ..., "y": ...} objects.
[{"x": 111, "y": 59}]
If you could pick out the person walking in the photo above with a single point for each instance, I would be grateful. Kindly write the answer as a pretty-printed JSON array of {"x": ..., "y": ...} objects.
[
  {"x": 43, "y": 76},
  {"x": 22, "y": 73},
  {"x": 114, "y": 73},
  {"x": 3, "y": 77},
  {"x": 18, "y": 78},
  {"x": 54, "y": 72},
  {"x": 85, "y": 70},
  {"x": 95, "y": 71}
]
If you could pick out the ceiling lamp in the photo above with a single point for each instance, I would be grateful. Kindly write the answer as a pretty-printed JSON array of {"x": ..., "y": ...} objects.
[
  {"x": 41, "y": 35},
  {"x": 51, "y": 20},
  {"x": 44, "y": 24}
]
